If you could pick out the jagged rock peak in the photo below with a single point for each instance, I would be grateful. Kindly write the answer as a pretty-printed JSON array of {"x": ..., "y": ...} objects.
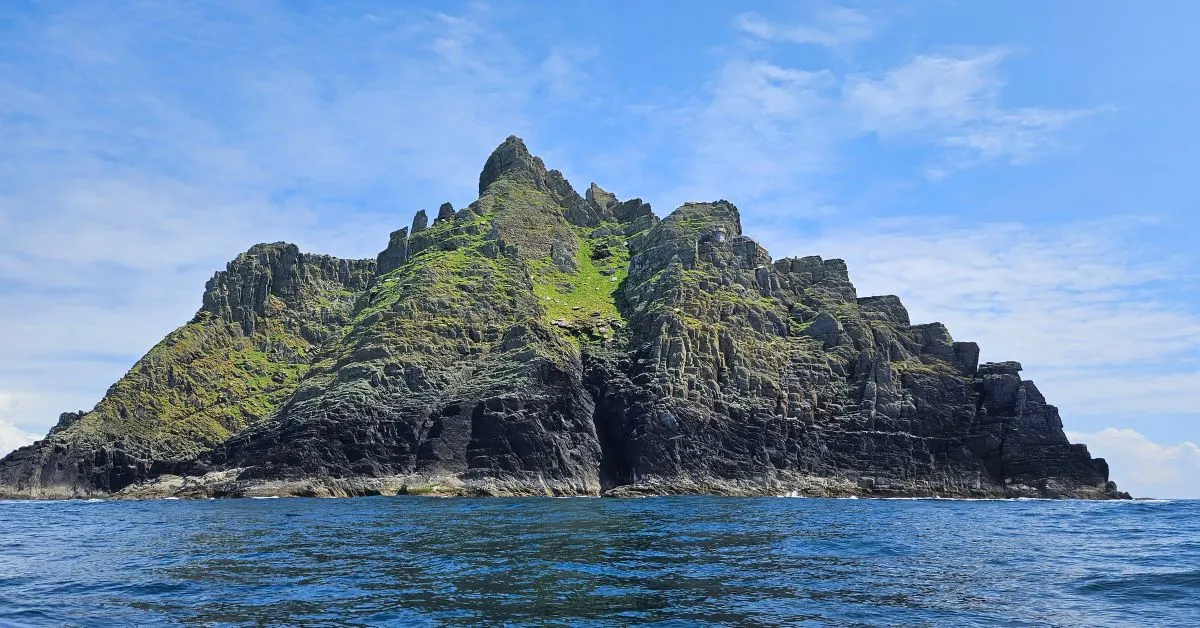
[
  {"x": 512, "y": 156},
  {"x": 607, "y": 206},
  {"x": 1000, "y": 368},
  {"x": 887, "y": 307},
  {"x": 241, "y": 290},
  {"x": 420, "y": 222},
  {"x": 599, "y": 199},
  {"x": 396, "y": 252},
  {"x": 814, "y": 269},
  {"x": 240, "y": 293},
  {"x": 512, "y": 162},
  {"x": 719, "y": 217}
]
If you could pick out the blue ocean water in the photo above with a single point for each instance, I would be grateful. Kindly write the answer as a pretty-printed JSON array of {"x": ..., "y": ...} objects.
[{"x": 663, "y": 561}]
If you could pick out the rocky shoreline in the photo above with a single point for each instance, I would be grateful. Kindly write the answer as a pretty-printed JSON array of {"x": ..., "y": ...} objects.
[{"x": 225, "y": 485}]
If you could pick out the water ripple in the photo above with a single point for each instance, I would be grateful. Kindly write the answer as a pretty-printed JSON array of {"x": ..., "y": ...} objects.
[{"x": 669, "y": 561}]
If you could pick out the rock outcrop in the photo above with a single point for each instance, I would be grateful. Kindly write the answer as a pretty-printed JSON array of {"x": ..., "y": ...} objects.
[{"x": 539, "y": 342}]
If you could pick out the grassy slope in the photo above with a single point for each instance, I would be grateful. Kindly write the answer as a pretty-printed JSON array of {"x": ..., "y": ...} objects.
[{"x": 206, "y": 380}]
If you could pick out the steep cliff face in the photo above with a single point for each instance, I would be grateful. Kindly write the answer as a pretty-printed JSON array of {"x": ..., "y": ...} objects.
[
  {"x": 262, "y": 321},
  {"x": 742, "y": 372},
  {"x": 543, "y": 342}
]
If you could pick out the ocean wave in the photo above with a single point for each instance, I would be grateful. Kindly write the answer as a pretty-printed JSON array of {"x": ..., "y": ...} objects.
[
  {"x": 680, "y": 560},
  {"x": 1151, "y": 586}
]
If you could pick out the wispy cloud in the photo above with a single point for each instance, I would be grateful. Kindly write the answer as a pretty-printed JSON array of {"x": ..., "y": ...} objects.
[
  {"x": 11, "y": 437},
  {"x": 929, "y": 91},
  {"x": 761, "y": 127},
  {"x": 1146, "y": 468},
  {"x": 1063, "y": 296},
  {"x": 561, "y": 71},
  {"x": 954, "y": 101},
  {"x": 766, "y": 131},
  {"x": 1089, "y": 318},
  {"x": 830, "y": 27}
]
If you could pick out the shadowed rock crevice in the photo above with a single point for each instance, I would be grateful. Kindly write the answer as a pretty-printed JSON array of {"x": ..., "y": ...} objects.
[
  {"x": 540, "y": 342},
  {"x": 611, "y": 418}
]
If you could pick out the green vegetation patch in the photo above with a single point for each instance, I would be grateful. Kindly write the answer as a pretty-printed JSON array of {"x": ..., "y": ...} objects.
[
  {"x": 199, "y": 385},
  {"x": 932, "y": 367},
  {"x": 590, "y": 293}
]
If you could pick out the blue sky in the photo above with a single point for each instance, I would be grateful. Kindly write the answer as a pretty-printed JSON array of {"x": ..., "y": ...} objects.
[{"x": 1022, "y": 171}]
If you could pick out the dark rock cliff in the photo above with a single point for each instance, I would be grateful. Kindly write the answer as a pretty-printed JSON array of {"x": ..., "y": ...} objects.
[{"x": 542, "y": 342}]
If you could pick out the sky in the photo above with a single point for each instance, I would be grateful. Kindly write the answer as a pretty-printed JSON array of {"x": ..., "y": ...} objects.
[{"x": 1021, "y": 171}]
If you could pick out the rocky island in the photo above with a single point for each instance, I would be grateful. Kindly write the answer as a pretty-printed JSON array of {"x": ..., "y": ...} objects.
[{"x": 539, "y": 342}]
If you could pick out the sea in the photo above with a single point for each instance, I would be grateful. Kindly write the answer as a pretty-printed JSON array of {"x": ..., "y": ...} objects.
[{"x": 668, "y": 561}]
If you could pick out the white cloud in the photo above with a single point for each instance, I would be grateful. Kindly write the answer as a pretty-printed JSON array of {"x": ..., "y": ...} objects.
[
  {"x": 1019, "y": 135},
  {"x": 562, "y": 72},
  {"x": 954, "y": 101},
  {"x": 772, "y": 134},
  {"x": 11, "y": 437},
  {"x": 1144, "y": 468},
  {"x": 831, "y": 27},
  {"x": 1066, "y": 296},
  {"x": 763, "y": 129},
  {"x": 927, "y": 92}
]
